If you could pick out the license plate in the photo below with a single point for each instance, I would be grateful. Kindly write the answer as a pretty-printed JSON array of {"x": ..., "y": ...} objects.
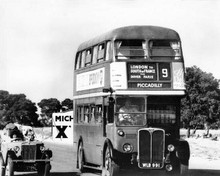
[{"x": 152, "y": 165}]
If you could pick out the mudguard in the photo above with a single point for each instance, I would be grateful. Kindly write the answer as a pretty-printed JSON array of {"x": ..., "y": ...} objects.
[{"x": 183, "y": 152}]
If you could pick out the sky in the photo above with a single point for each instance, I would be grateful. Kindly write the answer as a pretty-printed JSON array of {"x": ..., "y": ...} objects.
[{"x": 39, "y": 38}]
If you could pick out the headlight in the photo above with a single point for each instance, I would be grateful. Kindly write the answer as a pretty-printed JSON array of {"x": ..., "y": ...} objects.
[
  {"x": 127, "y": 147},
  {"x": 169, "y": 167},
  {"x": 16, "y": 149},
  {"x": 49, "y": 153},
  {"x": 42, "y": 148},
  {"x": 170, "y": 147},
  {"x": 121, "y": 133}
]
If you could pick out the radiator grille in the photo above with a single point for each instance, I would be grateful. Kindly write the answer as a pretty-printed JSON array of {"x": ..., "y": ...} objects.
[
  {"x": 28, "y": 152},
  {"x": 157, "y": 146},
  {"x": 151, "y": 148},
  {"x": 144, "y": 146}
]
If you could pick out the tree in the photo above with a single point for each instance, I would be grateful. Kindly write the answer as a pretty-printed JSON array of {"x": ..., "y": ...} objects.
[
  {"x": 201, "y": 104},
  {"x": 67, "y": 104},
  {"x": 48, "y": 107},
  {"x": 3, "y": 96},
  {"x": 17, "y": 108}
]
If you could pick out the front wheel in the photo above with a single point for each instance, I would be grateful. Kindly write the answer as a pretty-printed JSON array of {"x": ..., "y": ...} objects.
[
  {"x": 81, "y": 159},
  {"x": 110, "y": 168},
  {"x": 183, "y": 169},
  {"x": 9, "y": 167}
]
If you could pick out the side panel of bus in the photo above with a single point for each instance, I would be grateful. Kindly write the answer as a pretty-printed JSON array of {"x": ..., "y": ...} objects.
[
  {"x": 88, "y": 128},
  {"x": 92, "y": 142}
]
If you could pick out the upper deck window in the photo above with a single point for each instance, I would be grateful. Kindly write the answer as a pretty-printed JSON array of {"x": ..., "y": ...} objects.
[
  {"x": 83, "y": 58},
  {"x": 78, "y": 61},
  {"x": 95, "y": 54},
  {"x": 130, "y": 49},
  {"x": 108, "y": 51},
  {"x": 88, "y": 58},
  {"x": 165, "y": 48},
  {"x": 101, "y": 52}
]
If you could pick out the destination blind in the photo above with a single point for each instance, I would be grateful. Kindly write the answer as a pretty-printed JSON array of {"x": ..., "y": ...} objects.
[{"x": 149, "y": 75}]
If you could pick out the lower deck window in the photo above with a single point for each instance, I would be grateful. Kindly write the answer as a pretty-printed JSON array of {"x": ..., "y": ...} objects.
[
  {"x": 161, "y": 114},
  {"x": 89, "y": 114}
]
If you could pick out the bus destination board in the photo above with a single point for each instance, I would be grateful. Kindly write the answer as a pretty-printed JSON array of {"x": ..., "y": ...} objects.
[
  {"x": 149, "y": 75},
  {"x": 141, "y": 72}
]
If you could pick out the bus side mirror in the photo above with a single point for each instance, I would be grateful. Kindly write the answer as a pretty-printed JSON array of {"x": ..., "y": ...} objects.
[{"x": 108, "y": 90}]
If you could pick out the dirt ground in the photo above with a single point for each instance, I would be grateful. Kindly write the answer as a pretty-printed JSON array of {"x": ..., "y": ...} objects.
[{"x": 204, "y": 152}]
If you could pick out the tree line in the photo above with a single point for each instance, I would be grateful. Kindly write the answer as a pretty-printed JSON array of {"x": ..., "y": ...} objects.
[
  {"x": 17, "y": 108},
  {"x": 200, "y": 106}
]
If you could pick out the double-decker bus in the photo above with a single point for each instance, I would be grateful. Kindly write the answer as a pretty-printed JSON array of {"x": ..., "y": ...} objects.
[{"x": 128, "y": 84}]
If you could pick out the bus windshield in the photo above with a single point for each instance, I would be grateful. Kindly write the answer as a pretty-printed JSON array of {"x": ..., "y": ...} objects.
[
  {"x": 141, "y": 49},
  {"x": 130, "y": 111}
]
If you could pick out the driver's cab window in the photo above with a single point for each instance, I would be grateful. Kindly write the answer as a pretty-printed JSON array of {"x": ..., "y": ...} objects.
[{"x": 130, "y": 111}]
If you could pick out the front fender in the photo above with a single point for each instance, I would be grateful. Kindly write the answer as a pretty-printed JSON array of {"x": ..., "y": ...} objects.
[
  {"x": 48, "y": 154},
  {"x": 108, "y": 143},
  {"x": 10, "y": 154},
  {"x": 183, "y": 152}
]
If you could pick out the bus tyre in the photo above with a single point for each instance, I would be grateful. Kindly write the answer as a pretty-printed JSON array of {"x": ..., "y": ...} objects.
[
  {"x": 110, "y": 168},
  {"x": 2, "y": 168},
  {"x": 183, "y": 169},
  {"x": 9, "y": 167},
  {"x": 81, "y": 159}
]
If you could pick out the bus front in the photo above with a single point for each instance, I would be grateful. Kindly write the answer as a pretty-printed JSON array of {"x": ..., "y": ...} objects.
[{"x": 147, "y": 78}]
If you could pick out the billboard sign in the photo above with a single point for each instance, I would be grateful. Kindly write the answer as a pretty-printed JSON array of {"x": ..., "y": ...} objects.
[{"x": 63, "y": 126}]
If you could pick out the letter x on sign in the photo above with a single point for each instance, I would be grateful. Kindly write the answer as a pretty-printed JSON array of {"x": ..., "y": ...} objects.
[{"x": 61, "y": 132}]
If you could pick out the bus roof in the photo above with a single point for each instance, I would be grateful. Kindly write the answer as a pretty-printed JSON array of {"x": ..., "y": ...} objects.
[{"x": 132, "y": 32}]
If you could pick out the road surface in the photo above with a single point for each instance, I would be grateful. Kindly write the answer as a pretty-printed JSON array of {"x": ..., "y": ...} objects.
[{"x": 64, "y": 162}]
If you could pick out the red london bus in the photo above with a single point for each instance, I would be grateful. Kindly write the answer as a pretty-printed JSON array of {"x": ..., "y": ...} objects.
[{"x": 128, "y": 84}]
